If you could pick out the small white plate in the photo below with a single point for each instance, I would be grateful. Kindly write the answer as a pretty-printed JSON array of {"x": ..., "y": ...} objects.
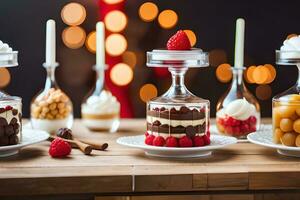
[
  {"x": 264, "y": 137},
  {"x": 217, "y": 142},
  {"x": 29, "y": 137}
]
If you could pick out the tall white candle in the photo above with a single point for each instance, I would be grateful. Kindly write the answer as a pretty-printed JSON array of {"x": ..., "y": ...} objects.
[
  {"x": 50, "y": 43},
  {"x": 239, "y": 43},
  {"x": 100, "y": 49}
]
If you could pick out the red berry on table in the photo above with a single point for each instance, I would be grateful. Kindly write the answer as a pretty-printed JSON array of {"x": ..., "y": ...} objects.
[
  {"x": 171, "y": 142},
  {"x": 206, "y": 139},
  {"x": 59, "y": 148},
  {"x": 185, "y": 141},
  {"x": 228, "y": 129},
  {"x": 179, "y": 41},
  {"x": 236, "y": 130},
  {"x": 244, "y": 128},
  {"x": 149, "y": 139},
  {"x": 252, "y": 120},
  {"x": 252, "y": 128},
  {"x": 159, "y": 141},
  {"x": 8, "y": 108},
  {"x": 146, "y": 133},
  {"x": 208, "y": 133},
  {"x": 198, "y": 141}
]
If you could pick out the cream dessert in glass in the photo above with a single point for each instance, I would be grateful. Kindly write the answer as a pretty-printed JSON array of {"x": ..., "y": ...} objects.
[
  {"x": 100, "y": 110},
  {"x": 51, "y": 109},
  {"x": 10, "y": 106},
  {"x": 286, "y": 105}
]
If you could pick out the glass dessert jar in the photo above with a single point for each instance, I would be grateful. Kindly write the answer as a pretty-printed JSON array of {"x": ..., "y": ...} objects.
[
  {"x": 177, "y": 118},
  {"x": 100, "y": 110},
  {"x": 238, "y": 111},
  {"x": 286, "y": 106},
  {"x": 51, "y": 109}
]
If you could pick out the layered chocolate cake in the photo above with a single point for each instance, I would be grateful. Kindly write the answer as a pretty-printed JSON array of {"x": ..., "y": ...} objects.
[
  {"x": 10, "y": 125},
  {"x": 176, "y": 123}
]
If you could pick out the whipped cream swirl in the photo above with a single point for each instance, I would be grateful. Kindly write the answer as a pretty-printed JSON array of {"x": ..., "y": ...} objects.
[
  {"x": 4, "y": 48},
  {"x": 291, "y": 44},
  {"x": 105, "y": 103},
  {"x": 239, "y": 109}
]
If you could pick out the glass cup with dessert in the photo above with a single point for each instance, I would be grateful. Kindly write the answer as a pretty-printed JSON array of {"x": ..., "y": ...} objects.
[
  {"x": 286, "y": 106},
  {"x": 100, "y": 110},
  {"x": 10, "y": 106},
  {"x": 178, "y": 118}
]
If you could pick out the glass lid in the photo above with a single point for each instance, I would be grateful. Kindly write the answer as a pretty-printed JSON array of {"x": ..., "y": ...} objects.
[
  {"x": 8, "y": 59},
  {"x": 287, "y": 57},
  {"x": 166, "y": 58}
]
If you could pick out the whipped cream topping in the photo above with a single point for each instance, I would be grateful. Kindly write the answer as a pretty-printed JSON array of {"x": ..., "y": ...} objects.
[
  {"x": 105, "y": 103},
  {"x": 4, "y": 48},
  {"x": 291, "y": 44},
  {"x": 239, "y": 109}
]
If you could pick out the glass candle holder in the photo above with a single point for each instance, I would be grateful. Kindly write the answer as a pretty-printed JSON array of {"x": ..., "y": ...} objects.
[{"x": 238, "y": 111}]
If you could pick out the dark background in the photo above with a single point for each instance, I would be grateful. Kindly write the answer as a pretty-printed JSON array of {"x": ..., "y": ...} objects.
[{"x": 267, "y": 25}]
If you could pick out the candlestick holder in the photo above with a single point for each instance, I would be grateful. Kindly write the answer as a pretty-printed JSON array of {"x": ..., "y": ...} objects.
[
  {"x": 100, "y": 110},
  {"x": 51, "y": 108},
  {"x": 178, "y": 113}
]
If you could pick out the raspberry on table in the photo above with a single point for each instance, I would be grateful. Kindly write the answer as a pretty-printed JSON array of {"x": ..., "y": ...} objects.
[
  {"x": 59, "y": 148},
  {"x": 171, "y": 142},
  {"x": 185, "y": 141}
]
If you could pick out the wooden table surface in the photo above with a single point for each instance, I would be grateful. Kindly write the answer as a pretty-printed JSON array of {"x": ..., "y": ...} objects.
[{"x": 243, "y": 169}]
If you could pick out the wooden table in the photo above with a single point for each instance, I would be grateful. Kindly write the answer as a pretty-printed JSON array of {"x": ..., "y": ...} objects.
[{"x": 241, "y": 171}]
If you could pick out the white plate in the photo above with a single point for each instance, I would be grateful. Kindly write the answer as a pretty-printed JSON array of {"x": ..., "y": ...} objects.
[
  {"x": 264, "y": 137},
  {"x": 214, "y": 131},
  {"x": 217, "y": 141},
  {"x": 29, "y": 137}
]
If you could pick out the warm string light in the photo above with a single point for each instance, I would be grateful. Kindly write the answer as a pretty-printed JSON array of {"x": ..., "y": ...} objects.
[
  {"x": 192, "y": 37},
  {"x": 121, "y": 74},
  {"x": 115, "y": 21},
  {"x": 167, "y": 19},
  {"x": 73, "y": 14},
  {"x": 224, "y": 73},
  {"x": 90, "y": 42},
  {"x": 129, "y": 58},
  {"x": 263, "y": 92},
  {"x": 73, "y": 37},
  {"x": 148, "y": 11},
  {"x": 4, "y": 77},
  {"x": 115, "y": 44},
  {"x": 112, "y": 1},
  {"x": 262, "y": 74}
]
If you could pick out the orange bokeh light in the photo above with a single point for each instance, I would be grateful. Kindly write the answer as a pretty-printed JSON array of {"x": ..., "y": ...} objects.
[
  {"x": 224, "y": 73},
  {"x": 73, "y": 37},
  {"x": 261, "y": 74},
  {"x": 167, "y": 19},
  {"x": 249, "y": 74},
  {"x": 115, "y": 44},
  {"x": 272, "y": 72},
  {"x": 129, "y": 58},
  {"x": 192, "y": 37},
  {"x": 4, "y": 77},
  {"x": 263, "y": 92},
  {"x": 148, "y": 11},
  {"x": 115, "y": 21},
  {"x": 90, "y": 42},
  {"x": 121, "y": 74},
  {"x": 147, "y": 92},
  {"x": 112, "y": 1},
  {"x": 73, "y": 14}
]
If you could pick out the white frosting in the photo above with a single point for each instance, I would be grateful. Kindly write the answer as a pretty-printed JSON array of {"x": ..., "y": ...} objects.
[
  {"x": 105, "y": 103},
  {"x": 292, "y": 44},
  {"x": 4, "y": 48},
  {"x": 239, "y": 109},
  {"x": 174, "y": 123},
  {"x": 110, "y": 125}
]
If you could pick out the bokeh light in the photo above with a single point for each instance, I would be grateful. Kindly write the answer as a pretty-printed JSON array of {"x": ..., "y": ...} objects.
[
  {"x": 224, "y": 73},
  {"x": 167, "y": 19},
  {"x": 291, "y": 35},
  {"x": 261, "y": 74},
  {"x": 115, "y": 21},
  {"x": 217, "y": 57},
  {"x": 73, "y": 37},
  {"x": 90, "y": 42},
  {"x": 249, "y": 74},
  {"x": 121, "y": 74},
  {"x": 147, "y": 92},
  {"x": 148, "y": 11},
  {"x": 272, "y": 72},
  {"x": 112, "y": 1},
  {"x": 129, "y": 58},
  {"x": 115, "y": 44},
  {"x": 73, "y": 14},
  {"x": 4, "y": 77},
  {"x": 263, "y": 92},
  {"x": 192, "y": 37}
]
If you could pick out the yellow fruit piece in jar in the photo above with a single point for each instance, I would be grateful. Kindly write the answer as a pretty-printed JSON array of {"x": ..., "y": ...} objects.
[
  {"x": 286, "y": 125},
  {"x": 276, "y": 117},
  {"x": 286, "y": 111},
  {"x": 277, "y": 135},
  {"x": 294, "y": 98},
  {"x": 288, "y": 139},
  {"x": 297, "y": 142},
  {"x": 298, "y": 111},
  {"x": 296, "y": 126}
]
